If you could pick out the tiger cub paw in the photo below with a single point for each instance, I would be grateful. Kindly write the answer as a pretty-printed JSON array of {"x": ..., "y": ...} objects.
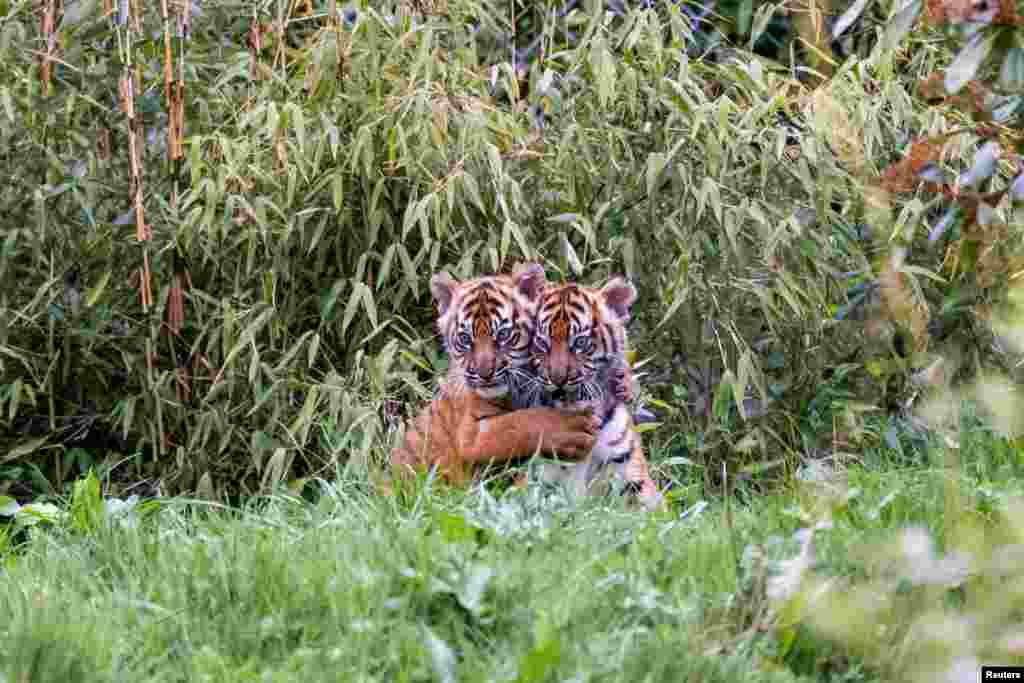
[{"x": 584, "y": 414}]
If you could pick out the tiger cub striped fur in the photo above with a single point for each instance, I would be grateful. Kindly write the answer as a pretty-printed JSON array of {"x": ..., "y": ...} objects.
[
  {"x": 487, "y": 326},
  {"x": 579, "y": 362}
]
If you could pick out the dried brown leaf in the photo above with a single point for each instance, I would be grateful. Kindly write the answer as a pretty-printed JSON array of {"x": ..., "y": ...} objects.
[
  {"x": 903, "y": 175},
  {"x": 980, "y": 11}
]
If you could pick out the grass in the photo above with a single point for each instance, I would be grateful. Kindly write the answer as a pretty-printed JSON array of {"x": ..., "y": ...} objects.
[{"x": 445, "y": 587}]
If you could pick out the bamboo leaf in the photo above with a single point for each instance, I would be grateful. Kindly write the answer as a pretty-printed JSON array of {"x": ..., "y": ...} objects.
[
  {"x": 369, "y": 305},
  {"x": 286, "y": 359},
  {"x": 313, "y": 350},
  {"x": 967, "y": 62},
  {"x": 24, "y": 448},
  {"x": 248, "y": 336},
  {"x": 899, "y": 26},
  {"x": 569, "y": 254},
  {"x": 354, "y": 299},
  {"x": 1011, "y": 74},
  {"x": 655, "y": 165},
  {"x": 849, "y": 16}
]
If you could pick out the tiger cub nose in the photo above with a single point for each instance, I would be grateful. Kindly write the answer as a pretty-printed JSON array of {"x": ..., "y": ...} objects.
[
  {"x": 558, "y": 376},
  {"x": 485, "y": 370}
]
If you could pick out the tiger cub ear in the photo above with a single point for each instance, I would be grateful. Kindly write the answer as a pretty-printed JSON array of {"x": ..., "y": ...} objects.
[
  {"x": 530, "y": 280},
  {"x": 442, "y": 287},
  {"x": 619, "y": 294}
]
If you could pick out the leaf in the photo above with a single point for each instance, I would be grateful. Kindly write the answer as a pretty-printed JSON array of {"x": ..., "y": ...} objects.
[
  {"x": 410, "y": 274},
  {"x": 984, "y": 165},
  {"x": 545, "y": 81},
  {"x": 762, "y": 18},
  {"x": 417, "y": 361},
  {"x": 25, "y": 448},
  {"x": 14, "y": 399},
  {"x": 441, "y": 656},
  {"x": 1017, "y": 188},
  {"x": 286, "y": 360},
  {"x": 676, "y": 304},
  {"x": 275, "y": 469},
  {"x": 892, "y": 439},
  {"x": 8, "y": 103},
  {"x": 520, "y": 238},
  {"x": 34, "y": 513},
  {"x": 471, "y": 592},
  {"x": 8, "y": 506},
  {"x": 470, "y": 185},
  {"x": 541, "y": 660},
  {"x": 127, "y": 218},
  {"x": 604, "y": 65},
  {"x": 370, "y": 305},
  {"x": 744, "y": 16},
  {"x": 655, "y": 165},
  {"x": 297, "y": 121},
  {"x": 247, "y": 336},
  {"x": 849, "y": 16},
  {"x": 314, "y": 347},
  {"x": 97, "y": 291},
  {"x": 924, "y": 272},
  {"x": 967, "y": 62},
  {"x": 1011, "y": 74},
  {"x": 569, "y": 254},
  {"x": 1007, "y": 108},
  {"x": 330, "y": 299},
  {"x": 726, "y": 393},
  {"x": 899, "y": 26},
  {"x": 947, "y": 220},
  {"x": 87, "y": 508},
  {"x": 985, "y": 215},
  {"x": 304, "y": 420},
  {"x": 354, "y": 299}
]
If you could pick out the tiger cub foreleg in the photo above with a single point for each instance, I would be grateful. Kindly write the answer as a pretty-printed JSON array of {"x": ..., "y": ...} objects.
[
  {"x": 459, "y": 434},
  {"x": 486, "y": 435}
]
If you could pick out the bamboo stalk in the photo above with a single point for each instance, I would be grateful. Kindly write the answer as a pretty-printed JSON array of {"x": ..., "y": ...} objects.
[
  {"x": 809, "y": 20},
  {"x": 129, "y": 25},
  {"x": 51, "y": 348},
  {"x": 339, "y": 55}
]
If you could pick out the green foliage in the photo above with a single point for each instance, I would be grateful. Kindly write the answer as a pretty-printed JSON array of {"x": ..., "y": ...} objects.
[
  {"x": 87, "y": 503},
  {"x": 939, "y": 602},
  {"x": 475, "y": 587},
  {"x": 933, "y": 600},
  {"x": 252, "y": 316}
]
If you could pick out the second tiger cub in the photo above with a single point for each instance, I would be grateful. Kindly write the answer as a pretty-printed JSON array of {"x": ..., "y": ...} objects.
[{"x": 579, "y": 361}]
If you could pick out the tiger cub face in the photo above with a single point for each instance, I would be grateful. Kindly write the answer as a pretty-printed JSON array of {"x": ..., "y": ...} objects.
[
  {"x": 486, "y": 325},
  {"x": 579, "y": 344}
]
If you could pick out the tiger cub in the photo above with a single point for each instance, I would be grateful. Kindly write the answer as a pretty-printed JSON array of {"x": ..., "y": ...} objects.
[
  {"x": 487, "y": 325},
  {"x": 579, "y": 362}
]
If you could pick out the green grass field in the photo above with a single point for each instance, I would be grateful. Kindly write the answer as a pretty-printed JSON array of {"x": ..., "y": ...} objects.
[{"x": 440, "y": 587}]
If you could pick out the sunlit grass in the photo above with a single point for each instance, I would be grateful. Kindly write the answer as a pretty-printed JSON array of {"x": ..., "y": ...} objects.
[{"x": 522, "y": 586}]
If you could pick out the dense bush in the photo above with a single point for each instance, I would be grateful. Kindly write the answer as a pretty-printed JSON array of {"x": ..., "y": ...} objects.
[{"x": 220, "y": 222}]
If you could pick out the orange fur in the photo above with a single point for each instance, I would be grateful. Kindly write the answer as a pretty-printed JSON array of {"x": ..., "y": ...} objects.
[{"x": 459, "y": 432}]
